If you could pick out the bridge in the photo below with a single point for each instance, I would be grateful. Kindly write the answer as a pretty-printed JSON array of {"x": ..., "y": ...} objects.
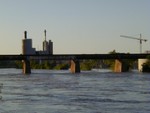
[
  {"x": 75, "y": 59},
  {"x": 74, "y": 56}
]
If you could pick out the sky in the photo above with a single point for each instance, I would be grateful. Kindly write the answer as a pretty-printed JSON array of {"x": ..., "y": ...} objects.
[{"x": 75, "y": 26}]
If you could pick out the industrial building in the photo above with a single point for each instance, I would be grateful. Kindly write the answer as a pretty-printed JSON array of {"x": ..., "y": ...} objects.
[
  {"x": 47, "y": 45},
  {"x": 27, "y": 45},
  {"x": 28, "y": 49}
]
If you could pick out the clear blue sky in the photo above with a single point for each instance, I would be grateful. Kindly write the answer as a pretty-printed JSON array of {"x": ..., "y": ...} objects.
[{"x": 75, "y": 26}]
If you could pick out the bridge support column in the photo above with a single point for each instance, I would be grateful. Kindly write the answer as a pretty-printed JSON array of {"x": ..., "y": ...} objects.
[
  {"x": 121, "y": 66},
  {"x": 75, "y": 66},
  {"x": 26, "y": 67}
]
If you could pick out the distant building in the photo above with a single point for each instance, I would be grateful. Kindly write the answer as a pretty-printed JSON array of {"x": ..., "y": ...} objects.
[
  {"x": 148, "y": 51},
  {"x": 28, "y": 49},
  {"x": 27, "y": 45},
  {"x": 50, "y": 47},
  {"x": 47, "y": 46}
]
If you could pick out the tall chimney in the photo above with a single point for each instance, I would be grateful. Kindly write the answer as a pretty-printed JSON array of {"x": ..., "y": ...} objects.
[
  {"x": 25, "y": 34},
  {"x": 45, "y": 34}
]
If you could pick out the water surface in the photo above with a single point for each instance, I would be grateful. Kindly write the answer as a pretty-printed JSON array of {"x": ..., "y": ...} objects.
[{"x": 96, "y": 91}]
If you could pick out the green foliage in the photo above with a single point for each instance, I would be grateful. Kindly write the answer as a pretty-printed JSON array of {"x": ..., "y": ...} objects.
[
  {"x": 85, "y": 65},
  {"x": 89, "y": 64},
  {"x": 36, "y": 64},
  {"x": 42, "y": 64},
  {"x": 18, "y": 64},
  {"x": 146, "y": 66},
  {"x": 112, "y": 52},
  {"x": 62, "y": 66},
  {"x": 129, "y": 62},
  {"x": 7, "y": 64},
  {"x": 111, "y": 62}
]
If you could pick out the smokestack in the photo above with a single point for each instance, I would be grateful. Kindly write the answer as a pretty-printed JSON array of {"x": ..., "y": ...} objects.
[
  {"x": 45, "y": 34},
  {"x": 25, "y": 34}
]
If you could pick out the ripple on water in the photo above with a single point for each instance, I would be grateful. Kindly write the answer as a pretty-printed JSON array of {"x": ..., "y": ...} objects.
[{"x": 94, "y": 91}]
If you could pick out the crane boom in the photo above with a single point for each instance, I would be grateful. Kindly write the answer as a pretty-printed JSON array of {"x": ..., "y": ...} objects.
[
  {"x": 133, "y": 38},
  {"x": 140, "y": 39}
]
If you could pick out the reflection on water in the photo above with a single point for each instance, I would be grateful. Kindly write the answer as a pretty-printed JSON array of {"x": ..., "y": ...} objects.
[{"x": 96, "y": 91}]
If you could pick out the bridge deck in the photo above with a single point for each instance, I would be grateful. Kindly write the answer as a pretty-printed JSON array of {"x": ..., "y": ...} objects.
[{"x": 74, "y": 56}]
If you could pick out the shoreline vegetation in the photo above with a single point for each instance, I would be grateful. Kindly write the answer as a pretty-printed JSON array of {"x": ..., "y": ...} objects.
[{"x": 146, "y": 66}]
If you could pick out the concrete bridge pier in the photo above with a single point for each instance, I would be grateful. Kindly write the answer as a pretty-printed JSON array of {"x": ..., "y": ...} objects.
[
  {"x": 121, "y": 66},
  {"x": 75, "y": 66},
  {"x": 26, "y": 67}
]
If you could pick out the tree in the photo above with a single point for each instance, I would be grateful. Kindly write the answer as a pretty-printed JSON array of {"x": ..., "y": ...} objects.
[
  {"x": 111, "y": 62},
  {"x": 146, "y": 66},
  {"x": 89, "y": 64}
]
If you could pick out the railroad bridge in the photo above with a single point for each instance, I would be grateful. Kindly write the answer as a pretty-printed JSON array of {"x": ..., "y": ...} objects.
[
  {"x": 29, "y": 53},
  {"x": 75, "y": 59}
]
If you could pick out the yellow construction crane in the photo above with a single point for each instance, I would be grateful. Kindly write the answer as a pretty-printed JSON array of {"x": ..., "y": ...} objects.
[{"x": 140, "y": 39}]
